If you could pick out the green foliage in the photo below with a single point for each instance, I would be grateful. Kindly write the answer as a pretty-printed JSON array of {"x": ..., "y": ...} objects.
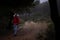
[{"x": 51, "y": 31}]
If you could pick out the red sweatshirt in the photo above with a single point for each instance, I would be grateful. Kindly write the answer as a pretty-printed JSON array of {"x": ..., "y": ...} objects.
[{"x": 15, "y": 20}]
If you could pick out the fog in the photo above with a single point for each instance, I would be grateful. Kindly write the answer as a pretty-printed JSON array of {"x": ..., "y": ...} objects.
[{"x": 41, "y": 1}]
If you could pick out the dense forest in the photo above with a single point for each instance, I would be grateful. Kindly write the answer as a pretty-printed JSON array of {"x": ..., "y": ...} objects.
[
  {"x": 40, "y": 11},
  {"x": 29, "y": 13}
]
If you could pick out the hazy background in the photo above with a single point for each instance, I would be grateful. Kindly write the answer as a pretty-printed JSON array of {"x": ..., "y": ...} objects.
[{"x": 41, "y": 1}]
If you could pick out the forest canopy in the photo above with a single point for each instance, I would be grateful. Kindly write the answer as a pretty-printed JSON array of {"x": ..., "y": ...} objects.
[{"x": 16, "y": 3}]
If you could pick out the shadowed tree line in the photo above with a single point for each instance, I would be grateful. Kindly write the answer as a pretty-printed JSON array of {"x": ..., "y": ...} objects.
[{"x": 5, "y": 7}]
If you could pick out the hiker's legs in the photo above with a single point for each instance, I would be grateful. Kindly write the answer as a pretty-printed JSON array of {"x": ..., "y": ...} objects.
[{"x": 15, "y": 29}]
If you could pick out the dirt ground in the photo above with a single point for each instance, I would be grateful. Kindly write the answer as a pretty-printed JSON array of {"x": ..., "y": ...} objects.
[{"x": 29, "y": 31}]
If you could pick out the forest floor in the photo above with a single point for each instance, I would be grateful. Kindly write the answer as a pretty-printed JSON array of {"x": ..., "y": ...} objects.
[{"x": 29, "y": 31}]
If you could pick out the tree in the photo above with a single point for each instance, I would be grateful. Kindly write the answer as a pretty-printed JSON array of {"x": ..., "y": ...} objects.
[
  {"x": 16, "y": 3},
  {"x": 8, "y": 5}
]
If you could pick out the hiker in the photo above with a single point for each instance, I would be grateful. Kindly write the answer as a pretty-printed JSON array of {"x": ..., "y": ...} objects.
[{"x": 15, "y": 23}]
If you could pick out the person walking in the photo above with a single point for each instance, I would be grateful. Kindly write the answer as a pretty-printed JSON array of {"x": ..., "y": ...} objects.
[{"x": 15, "y": 23}]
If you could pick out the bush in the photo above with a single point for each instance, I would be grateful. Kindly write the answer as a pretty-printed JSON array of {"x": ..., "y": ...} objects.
[{"x": 51, "y": 32}]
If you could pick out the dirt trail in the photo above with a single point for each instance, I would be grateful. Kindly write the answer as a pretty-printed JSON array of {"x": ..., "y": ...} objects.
[{"x": 29, "y": 32}]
